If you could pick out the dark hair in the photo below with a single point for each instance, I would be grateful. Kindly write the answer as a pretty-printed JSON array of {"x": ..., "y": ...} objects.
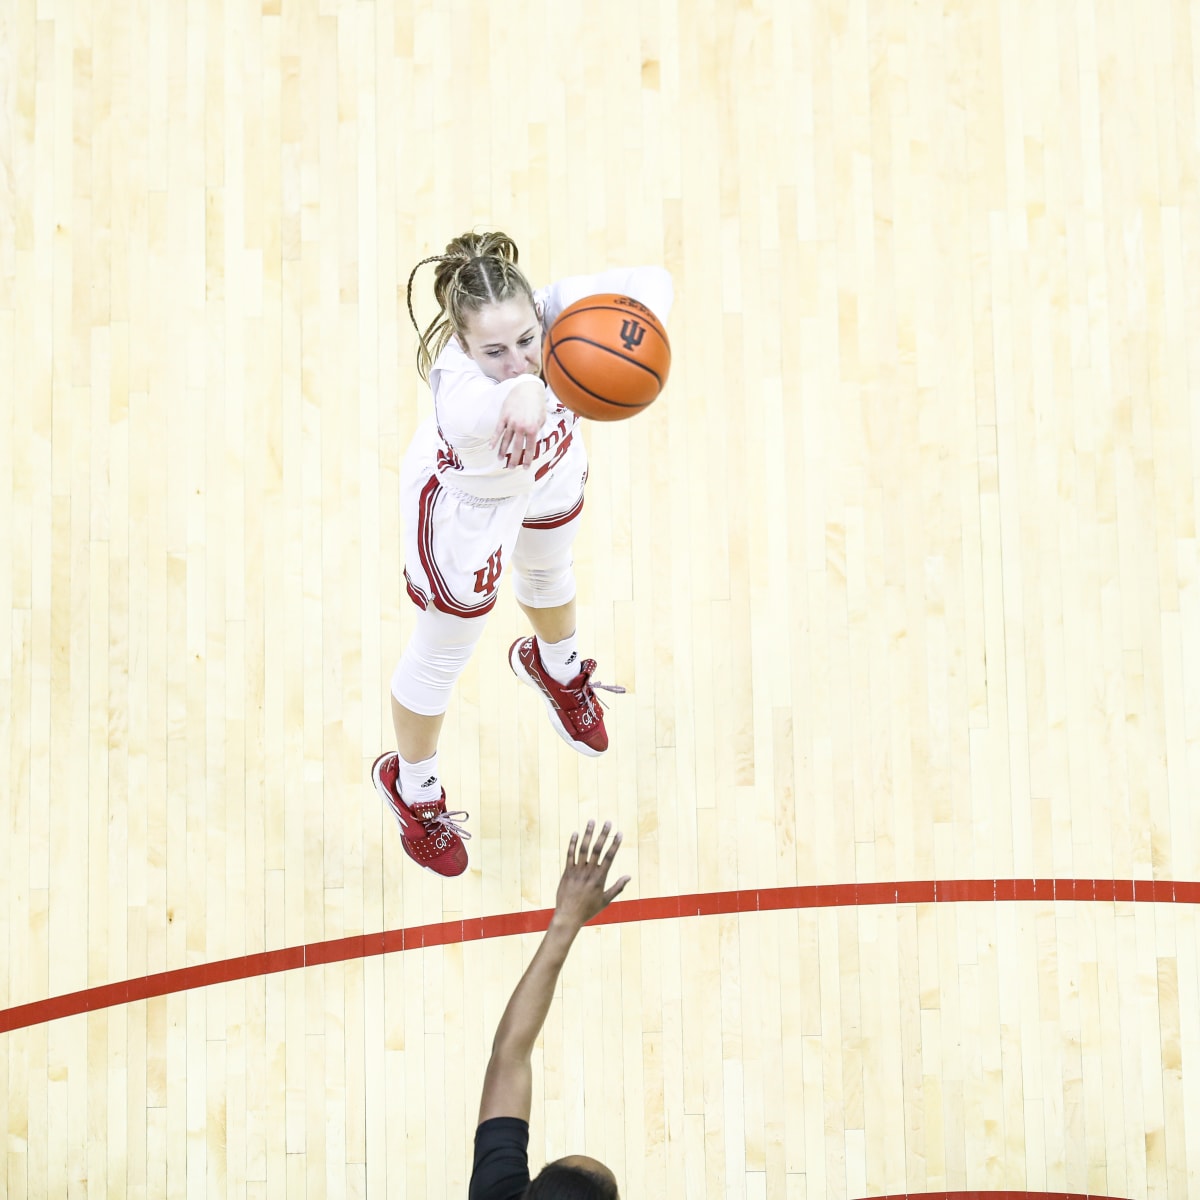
[{"x": 556, "y": 1182}]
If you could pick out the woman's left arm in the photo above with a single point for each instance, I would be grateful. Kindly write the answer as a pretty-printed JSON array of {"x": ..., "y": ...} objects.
[{"x": 651, "y": 285}]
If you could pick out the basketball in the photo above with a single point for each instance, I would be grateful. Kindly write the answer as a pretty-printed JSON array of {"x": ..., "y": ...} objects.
[{"x": 606, "y": 357}]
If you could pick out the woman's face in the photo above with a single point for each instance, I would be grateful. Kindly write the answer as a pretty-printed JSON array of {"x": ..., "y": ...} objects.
[{"x": 505, "y": 339}]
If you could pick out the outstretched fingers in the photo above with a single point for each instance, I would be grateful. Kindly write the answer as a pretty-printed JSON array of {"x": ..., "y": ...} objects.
[
  {"x": 607, "y": 861},
  {"x": 584, "y": 845},
  {"x": 598, "y": 848},
  {"x": 616, "y": 889}
]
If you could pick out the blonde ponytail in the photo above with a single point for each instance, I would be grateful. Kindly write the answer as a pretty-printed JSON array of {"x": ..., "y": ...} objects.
[{"x": 477, "y": 269}]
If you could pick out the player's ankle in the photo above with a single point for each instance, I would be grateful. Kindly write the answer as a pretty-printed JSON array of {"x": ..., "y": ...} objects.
[
  {"x": 418, "y": 782},
  {"x": 560, "y": 660}
]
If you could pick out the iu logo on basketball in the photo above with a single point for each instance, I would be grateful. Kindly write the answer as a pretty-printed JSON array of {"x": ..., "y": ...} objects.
[
  {"x": 632, "y": 332},
  {"x": 487, "y": 577}
]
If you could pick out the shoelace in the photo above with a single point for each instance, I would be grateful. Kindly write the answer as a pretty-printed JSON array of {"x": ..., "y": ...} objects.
[
  {"x": 450, "y": 822},
  {"x": 587, "y": 692},
  {"x": 589, "y": 665},
  {"x": 607, "y": 687}
]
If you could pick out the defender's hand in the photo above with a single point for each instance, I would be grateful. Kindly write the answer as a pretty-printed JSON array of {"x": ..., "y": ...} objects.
[{"x": 581, "y": 893}]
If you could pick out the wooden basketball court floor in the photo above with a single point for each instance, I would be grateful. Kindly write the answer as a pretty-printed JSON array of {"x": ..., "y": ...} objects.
[{"x": 902, "y": 575}]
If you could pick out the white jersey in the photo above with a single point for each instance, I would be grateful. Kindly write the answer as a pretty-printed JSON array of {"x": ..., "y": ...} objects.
[{"x": 467, "y": 402}]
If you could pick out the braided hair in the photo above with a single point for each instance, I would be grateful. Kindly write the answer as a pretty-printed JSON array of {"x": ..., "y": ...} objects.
[{"x": 476, "y": 269}]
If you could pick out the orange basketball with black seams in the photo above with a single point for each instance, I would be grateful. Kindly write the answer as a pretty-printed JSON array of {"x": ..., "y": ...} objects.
[{"x": 606, "y": 357}]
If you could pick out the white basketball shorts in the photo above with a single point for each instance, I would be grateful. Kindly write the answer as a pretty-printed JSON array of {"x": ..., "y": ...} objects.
[{"x": 458, "y": 547}]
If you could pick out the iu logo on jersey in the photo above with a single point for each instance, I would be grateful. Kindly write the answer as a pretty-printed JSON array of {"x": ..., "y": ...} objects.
[
  {"x": 632, "y": 332},
  {"x": 487, "y": 577}
]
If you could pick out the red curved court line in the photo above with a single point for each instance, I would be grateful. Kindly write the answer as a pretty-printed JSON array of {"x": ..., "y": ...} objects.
[
  {"x": 699, "y": 904},
  {"x": 1003, "y": 1195}
]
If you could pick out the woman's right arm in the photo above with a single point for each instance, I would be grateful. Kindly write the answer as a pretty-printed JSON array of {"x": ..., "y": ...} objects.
[
  {"x": 476, "y": 414},
  {"x": 519, "y": 422}
]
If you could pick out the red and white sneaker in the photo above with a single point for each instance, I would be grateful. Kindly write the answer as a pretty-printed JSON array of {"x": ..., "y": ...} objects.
[
  {"x": 574, "y": 707},
  {"x": 431, "y": 836}
]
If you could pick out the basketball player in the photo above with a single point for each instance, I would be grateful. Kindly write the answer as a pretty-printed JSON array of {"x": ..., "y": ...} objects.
[
  {"x": 501, "y": 1170},
  {"x": 493, "y": 481}
]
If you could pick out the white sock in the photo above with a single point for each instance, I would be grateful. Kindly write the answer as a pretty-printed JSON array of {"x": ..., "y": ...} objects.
[
  {"x": 419, "y": 783},
  {"x": 561, "y": 659}
]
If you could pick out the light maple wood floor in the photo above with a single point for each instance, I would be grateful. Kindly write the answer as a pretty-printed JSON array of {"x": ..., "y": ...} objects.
[{"x": 902, "y": 574}]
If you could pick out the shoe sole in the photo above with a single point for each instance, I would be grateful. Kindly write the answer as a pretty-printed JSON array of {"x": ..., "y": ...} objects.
[
  {"x": 387, "y": 802},
  {"x": 518, "y": 669}
]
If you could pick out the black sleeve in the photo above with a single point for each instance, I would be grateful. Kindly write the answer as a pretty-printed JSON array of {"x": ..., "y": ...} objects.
[{"x": 501, "y": 1170}]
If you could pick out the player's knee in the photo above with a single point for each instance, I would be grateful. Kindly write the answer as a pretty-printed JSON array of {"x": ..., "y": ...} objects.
[
  {"x": 436, "y": 655},
  {"x": 544, "y": 587}
]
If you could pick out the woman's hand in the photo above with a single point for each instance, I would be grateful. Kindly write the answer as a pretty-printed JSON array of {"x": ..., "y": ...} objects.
[
  {"x": 581, "y": 893},
  {"x": 521, "y": 417}
]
